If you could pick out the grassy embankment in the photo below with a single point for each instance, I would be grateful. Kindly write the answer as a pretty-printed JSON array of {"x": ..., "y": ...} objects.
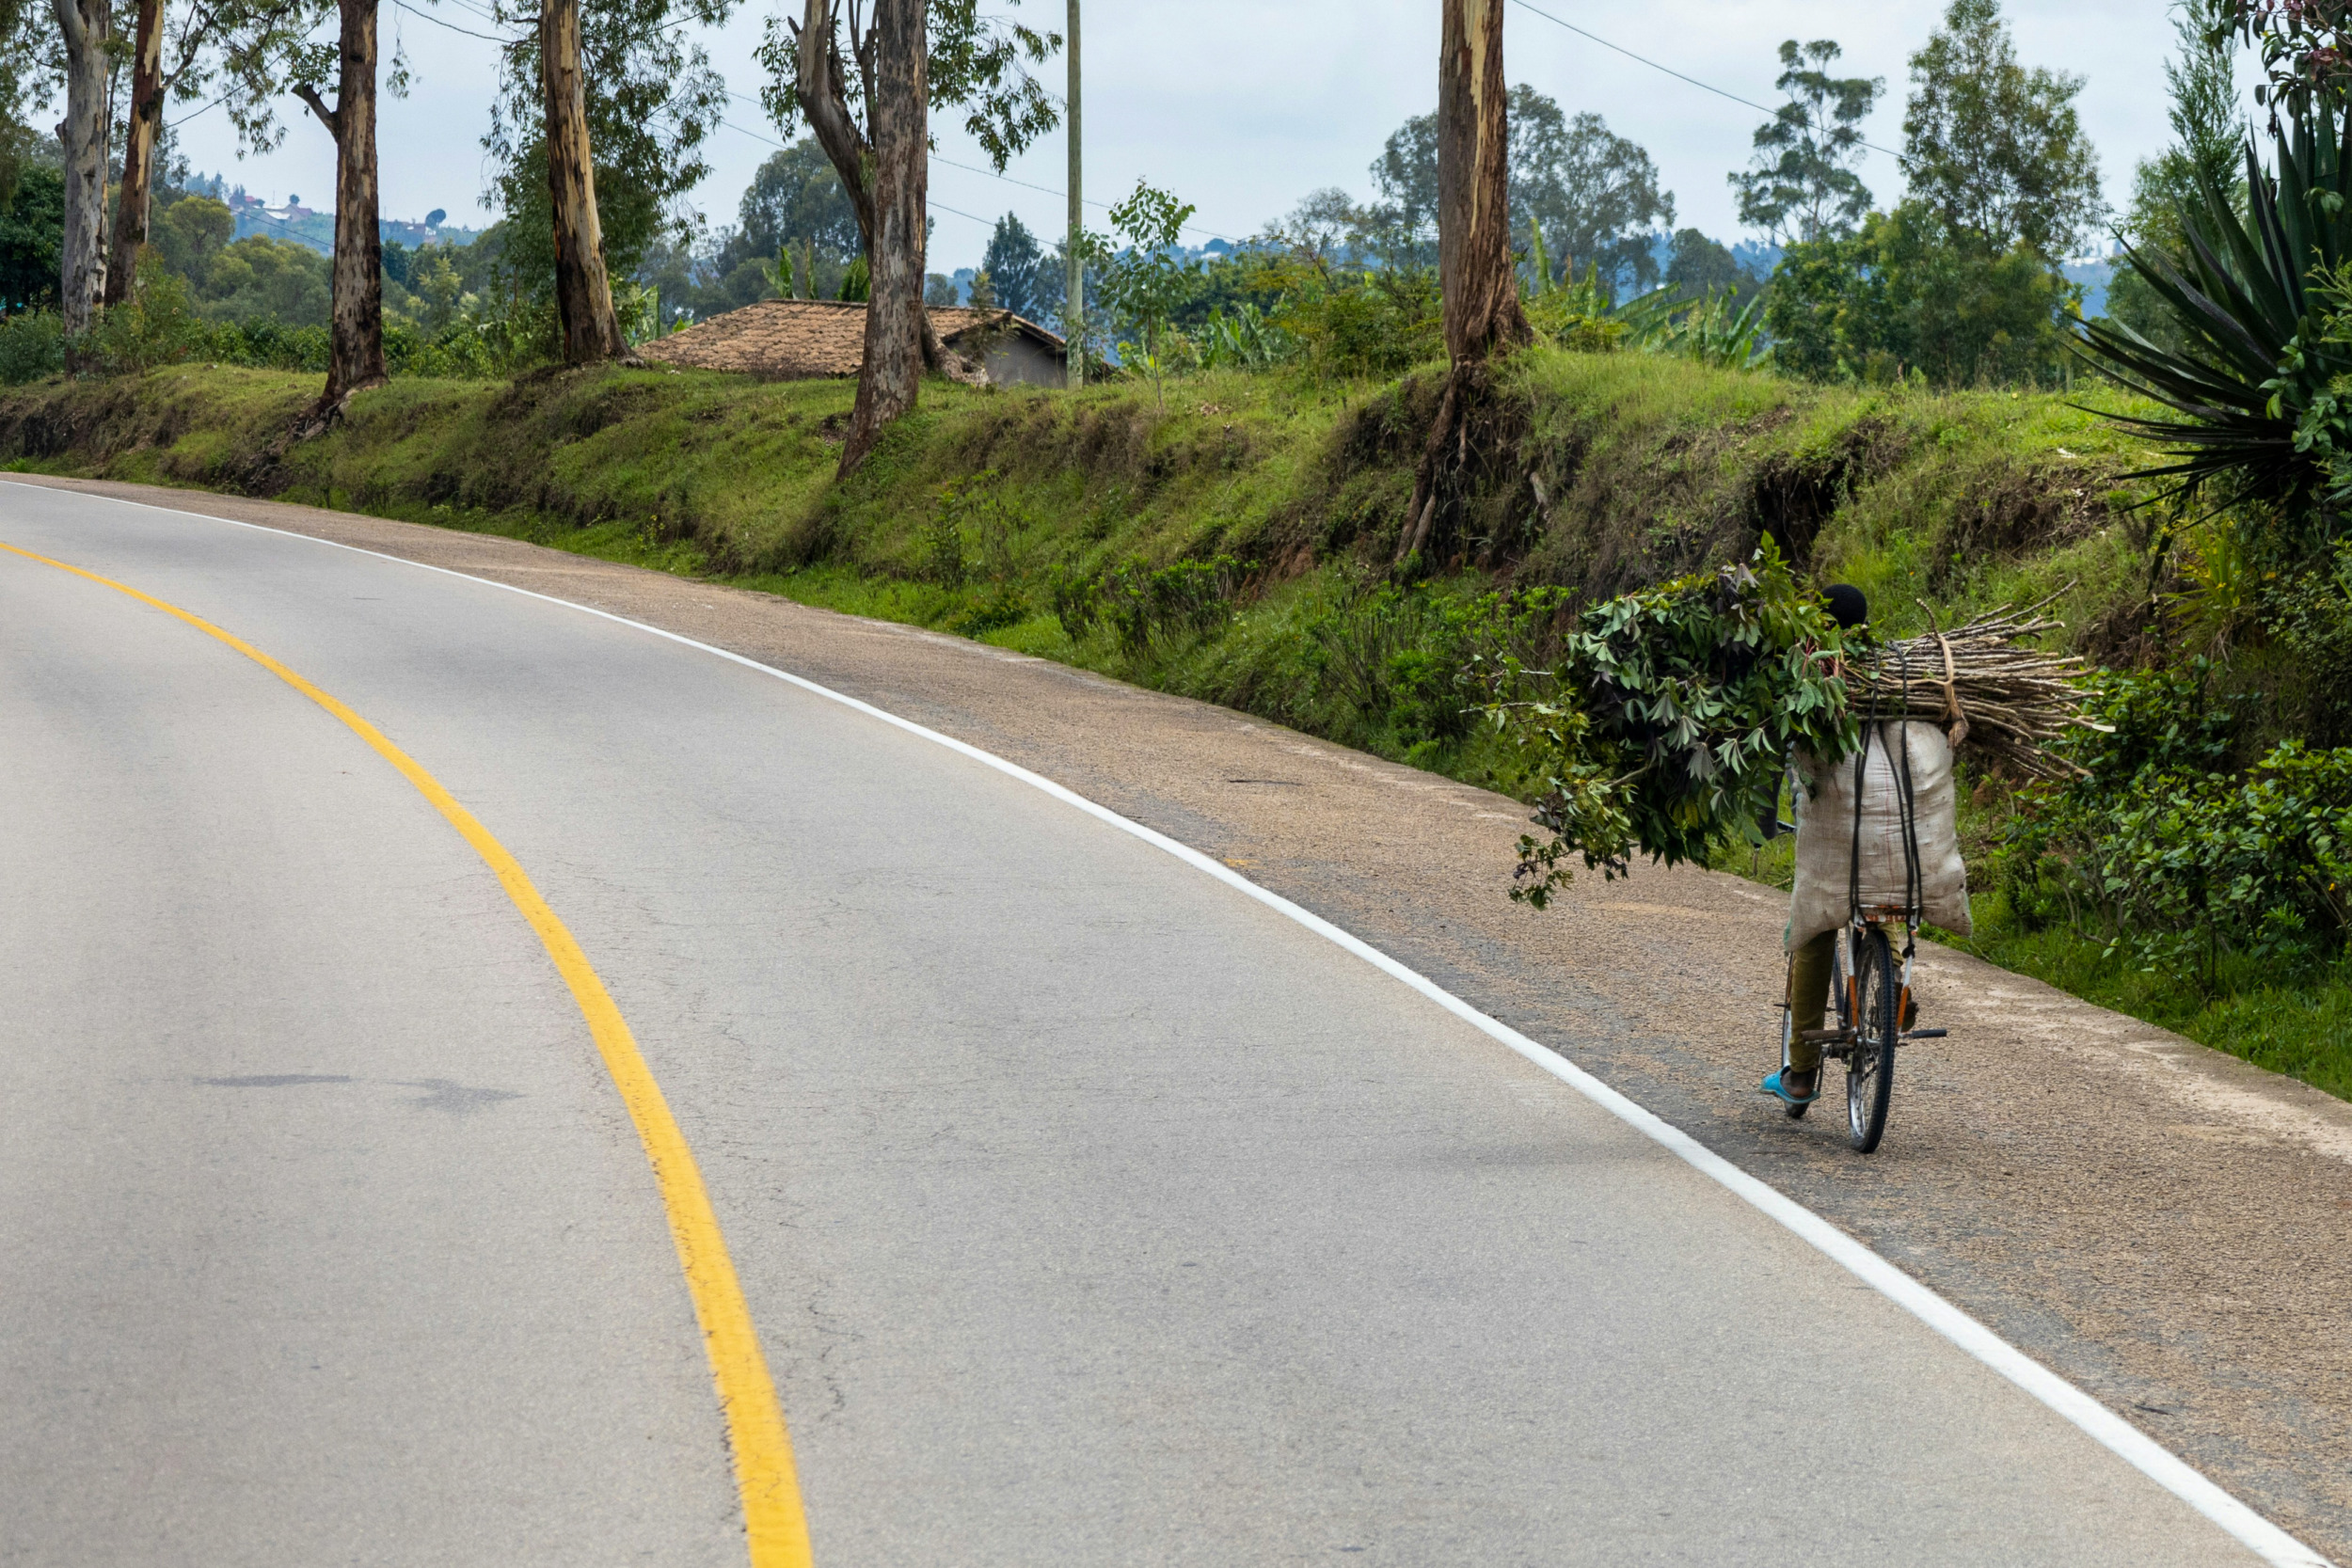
[{"x": 986, "y": 512}]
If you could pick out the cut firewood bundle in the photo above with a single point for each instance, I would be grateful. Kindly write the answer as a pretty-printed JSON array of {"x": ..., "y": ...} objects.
[{"x": 1997, "y": 696}]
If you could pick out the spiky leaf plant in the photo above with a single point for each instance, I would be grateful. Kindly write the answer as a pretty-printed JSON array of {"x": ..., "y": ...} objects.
[{"x": 2260, "y": 361}]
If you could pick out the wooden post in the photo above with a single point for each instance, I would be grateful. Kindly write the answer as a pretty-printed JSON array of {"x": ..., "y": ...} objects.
[{"x": 1074, "y": 284}]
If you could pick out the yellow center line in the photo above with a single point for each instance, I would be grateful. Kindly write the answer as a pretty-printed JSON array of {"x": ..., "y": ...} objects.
[{"x": 763, "y": 1474}]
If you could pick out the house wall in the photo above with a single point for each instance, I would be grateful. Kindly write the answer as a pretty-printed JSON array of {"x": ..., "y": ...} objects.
[{"x": 1015, "y": 359}]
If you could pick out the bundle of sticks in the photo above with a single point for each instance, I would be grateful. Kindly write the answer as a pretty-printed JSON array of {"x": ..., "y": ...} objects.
[{"x": 2007, "y": 701}]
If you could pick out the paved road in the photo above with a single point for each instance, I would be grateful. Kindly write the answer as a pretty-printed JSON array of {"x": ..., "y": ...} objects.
[{"x": 1089, "y": 1211}]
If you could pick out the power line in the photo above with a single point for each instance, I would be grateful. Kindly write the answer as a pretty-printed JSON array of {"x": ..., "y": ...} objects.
[
  {"x": 771, "y": 141},
  {"x": 1704, "y": 86},
  {"x": 994, "y": 174},
  {"x": 194, "y": 114},
  {"x": 427, "y": 15}
]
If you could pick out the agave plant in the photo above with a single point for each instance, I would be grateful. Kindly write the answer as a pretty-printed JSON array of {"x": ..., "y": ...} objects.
[{"x": 2259, "y": 391}]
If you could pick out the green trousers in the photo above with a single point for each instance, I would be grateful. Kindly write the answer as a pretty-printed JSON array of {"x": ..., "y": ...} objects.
[{"x": 1808, "y": 997}]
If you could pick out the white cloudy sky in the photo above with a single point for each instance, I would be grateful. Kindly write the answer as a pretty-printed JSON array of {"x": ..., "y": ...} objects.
[{"x": 1241, "y": 106}]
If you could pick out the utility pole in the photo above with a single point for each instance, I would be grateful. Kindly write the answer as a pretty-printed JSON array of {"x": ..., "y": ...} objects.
[{"x": 1074, "y": 312}]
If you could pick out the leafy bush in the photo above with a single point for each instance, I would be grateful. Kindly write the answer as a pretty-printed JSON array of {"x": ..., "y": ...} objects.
[
  {"x": 32, "y": 345},
  {"x": 1904, "y": 295},
  {"x": 1139, "y": 604},
  {"x": 2311, "y": 617},
  {"x": 2175, "y": 856},
  {"x": 1351, "y": 325},
  {"x": 1668, "y": 720}
]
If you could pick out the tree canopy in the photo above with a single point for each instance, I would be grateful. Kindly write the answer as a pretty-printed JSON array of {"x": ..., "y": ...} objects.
[
  {"x": 1595, "y": 192},
  {"x": 979, "y": 64},
  {"x": 1998, "y": 151},
  {"x": 1025, "y": 280},
  {"x": 794, "y": 198},
  {"x": 1802, "y": 185}
]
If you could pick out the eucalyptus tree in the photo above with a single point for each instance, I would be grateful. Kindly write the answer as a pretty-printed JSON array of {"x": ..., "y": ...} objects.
[
  {"x": 24, "y": 70},
  {"x": 598, "y": 136},
  {"x": 355, "y": 357},
  {"x": 87, "y": 32},
  {"x": 1476, "y": 270},
  {"x": 863, "y": 74},
  {"x": 239, "y": 47},
  {"x": 1802, "y": 186}
]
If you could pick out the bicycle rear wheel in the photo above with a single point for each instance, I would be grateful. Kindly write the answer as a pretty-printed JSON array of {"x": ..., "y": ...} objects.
[{"x": 1870, "y": 1057}]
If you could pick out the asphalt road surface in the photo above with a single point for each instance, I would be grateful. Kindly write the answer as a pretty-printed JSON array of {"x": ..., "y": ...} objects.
[{"x": 1088, "y": 1210}]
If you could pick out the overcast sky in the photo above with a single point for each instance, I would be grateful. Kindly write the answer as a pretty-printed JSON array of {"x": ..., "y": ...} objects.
[{"x": 1242, "y": 106}]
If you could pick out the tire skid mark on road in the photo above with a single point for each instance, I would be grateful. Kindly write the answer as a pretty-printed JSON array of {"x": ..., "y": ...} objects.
[{"x": 775, "y": 1522}]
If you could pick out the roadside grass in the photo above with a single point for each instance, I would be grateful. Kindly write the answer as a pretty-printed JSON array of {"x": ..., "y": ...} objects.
[{"x": 1600, "y": 472}]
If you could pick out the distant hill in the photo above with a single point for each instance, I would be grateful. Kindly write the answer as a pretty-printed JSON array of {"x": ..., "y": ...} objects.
[
  {"x": 305, "y": 225},
  {"x": 2092, "y": 273}
]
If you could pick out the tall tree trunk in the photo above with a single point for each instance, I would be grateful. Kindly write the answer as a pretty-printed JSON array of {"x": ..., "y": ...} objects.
[
  {"x": 895, "y": 324},
  {"x": 86, "y": 27},
  {"x": 1481, "y": 286},
  {"x": 824, "y": 100},
  {"x": 583, "y": 291},
  {"x": 356, "y": 336},
  {"x": 138, "y": 153}
]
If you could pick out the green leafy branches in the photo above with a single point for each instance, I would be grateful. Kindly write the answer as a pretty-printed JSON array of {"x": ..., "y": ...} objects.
[
  {"x": 978, "y": 63},
  {"x": 1150, "y": 280},
  {"x": 1667, "y": 723}
]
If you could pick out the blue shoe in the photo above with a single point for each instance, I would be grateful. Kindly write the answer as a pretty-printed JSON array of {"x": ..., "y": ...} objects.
[{"x": 1771, "y": 1086}]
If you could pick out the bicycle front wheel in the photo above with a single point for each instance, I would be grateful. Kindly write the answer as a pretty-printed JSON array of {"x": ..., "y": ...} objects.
[{"x": 1877, "y": 1025}]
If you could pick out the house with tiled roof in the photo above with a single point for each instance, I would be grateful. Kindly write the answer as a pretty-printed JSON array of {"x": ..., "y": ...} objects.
[{"x": 804, "y": 339}]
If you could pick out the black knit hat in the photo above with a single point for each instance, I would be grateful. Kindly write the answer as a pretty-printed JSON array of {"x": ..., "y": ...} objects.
[{"x": 1847, "y": 606}]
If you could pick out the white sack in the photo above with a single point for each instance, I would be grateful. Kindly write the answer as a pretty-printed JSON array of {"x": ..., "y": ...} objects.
[{"x": 1825, "y": 835}]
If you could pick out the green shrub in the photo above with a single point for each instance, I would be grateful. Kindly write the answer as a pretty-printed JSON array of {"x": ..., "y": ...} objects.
[
  {"x": 1138, "y": 606},
  {"x": 32, "y": 345},
  {"x": 2177, "y": 857}
]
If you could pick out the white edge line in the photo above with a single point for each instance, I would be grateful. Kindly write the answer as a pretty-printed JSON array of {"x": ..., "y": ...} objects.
[{"x": 2109, "y": 1430}]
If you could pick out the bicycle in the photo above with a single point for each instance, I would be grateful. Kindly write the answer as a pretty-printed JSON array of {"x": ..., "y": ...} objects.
[{"x": 1876, "y": 1012}]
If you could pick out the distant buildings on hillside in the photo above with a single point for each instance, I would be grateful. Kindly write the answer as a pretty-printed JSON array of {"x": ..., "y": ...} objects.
[{"x": 307, "y": 225}]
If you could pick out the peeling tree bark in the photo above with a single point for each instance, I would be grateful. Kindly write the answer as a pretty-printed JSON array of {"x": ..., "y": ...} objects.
[
  {"x": 1474, "y": 268},
  {"x": 356, "y": 330},
  {"x": 87, "y": 25},
  {"x": 584, "y": 291},
  {"x": 895, "y": 322},
  {"x": 825, "y": 103},
  {"x": 140, "y": 133}
]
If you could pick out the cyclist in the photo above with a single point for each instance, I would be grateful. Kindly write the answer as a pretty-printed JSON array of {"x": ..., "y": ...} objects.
[{"x": 1800, "y": 1081}]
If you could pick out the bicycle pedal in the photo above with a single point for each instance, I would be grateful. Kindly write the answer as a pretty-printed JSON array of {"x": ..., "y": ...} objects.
[
  {"x": 1926, "y": 1033},
  {"x": 1826, "y": 1036}
]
